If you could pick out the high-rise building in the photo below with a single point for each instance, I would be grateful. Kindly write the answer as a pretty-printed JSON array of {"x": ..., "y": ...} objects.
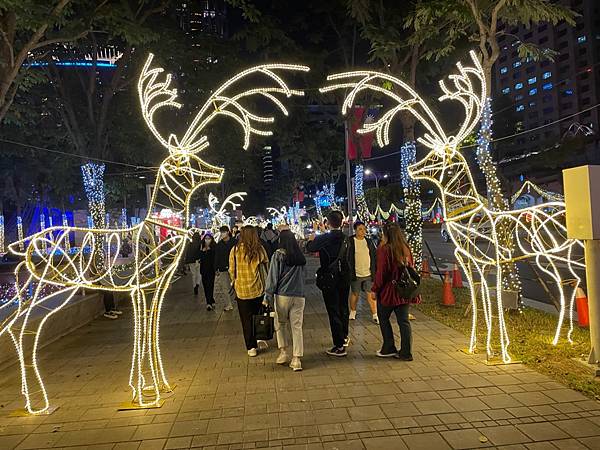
[
  {"x": 549, "y": 101},
  {"x": 201, "y": 17}
]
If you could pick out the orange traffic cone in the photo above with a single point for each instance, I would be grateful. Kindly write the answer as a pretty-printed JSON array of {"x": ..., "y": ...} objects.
[
  {"x": 425, "y": 269},
  {"x": 456, "y": 277},
  {"x": 583, "y": 314},
  {"x": 447, "y": 295}
]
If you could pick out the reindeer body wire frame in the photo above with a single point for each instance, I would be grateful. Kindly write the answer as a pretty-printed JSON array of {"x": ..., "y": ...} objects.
[
  {"x": 540, "y": 231},
  {"x": 220, "y": 216},
  {"x": 155, "y": 260}
]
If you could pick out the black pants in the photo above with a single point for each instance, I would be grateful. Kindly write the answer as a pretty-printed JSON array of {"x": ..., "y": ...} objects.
[
  {"x": 336, "y": 303},
  {"x": 208, "y": 284},
  {"x": 247, "y": 309},
  {"x": 109, "y": 301},
  {"x": 389, "y": 345}
]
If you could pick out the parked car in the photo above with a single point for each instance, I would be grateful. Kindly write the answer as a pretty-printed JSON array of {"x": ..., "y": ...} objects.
[{"x": 444, "y": 232}]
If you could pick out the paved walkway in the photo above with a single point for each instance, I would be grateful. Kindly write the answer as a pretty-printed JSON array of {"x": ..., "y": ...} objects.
[{"x": 443, "y": 399}]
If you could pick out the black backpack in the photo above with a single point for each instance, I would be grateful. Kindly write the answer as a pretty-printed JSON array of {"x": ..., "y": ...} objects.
[{"x": 335, "y": 273}]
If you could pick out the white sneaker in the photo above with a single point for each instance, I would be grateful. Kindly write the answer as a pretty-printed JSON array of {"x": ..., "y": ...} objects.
[
  {"x": 295, "y": 364},
  {"x": 283, "y": 357},
  {"x": 346, "y": 342},
  {"x": 376, "y": 319},
  {"x": 117, "y": 312},
  {"x": 252, "y": 352},
  {"x": 262, "y": 345},
  {"x": 352, "y": 315},
  {"x": 228, "y": 308},
  {"x": 110, "y": 315},
  {"x": 411, "y": 317}
]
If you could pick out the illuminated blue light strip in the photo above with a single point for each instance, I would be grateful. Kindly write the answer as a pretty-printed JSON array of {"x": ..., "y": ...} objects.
[{"x": 74, "y": 64}]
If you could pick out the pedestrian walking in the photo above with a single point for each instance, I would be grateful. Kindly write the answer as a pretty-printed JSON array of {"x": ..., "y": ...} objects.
[
  {"x": 392, "y": 255},
  {"x": 285, "y": 288},
  {"x": 207, "y": 270},
  {"x": 192, "y": 259},
  {"x": 269, "y": 237},
  {"x": 248, "y": 269},
  {"x": 223, "y": 284},
  {"x": 333, "y": 279},
  {"x": 362, "y": 255}
]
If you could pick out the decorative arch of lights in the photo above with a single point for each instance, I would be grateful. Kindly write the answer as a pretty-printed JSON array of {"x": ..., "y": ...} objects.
[
  {"x": 539, "y": 231},
  {"x": 155, "y": 257}
]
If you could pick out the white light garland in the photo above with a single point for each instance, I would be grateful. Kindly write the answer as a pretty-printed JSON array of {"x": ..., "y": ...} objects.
[
  {"x": 20, "y": 233},
  {"x": 2, "y": 233},
  {"x": 547, "y": 195},
  {"x": 220, "y": 216},
  {"x": 361, "y": 204},
  {"x": 473, "y": 227},
  {"x": 155, "y": 260},
  {"x": 65, "y": 224},
  {"x": 412, "y": 202}
]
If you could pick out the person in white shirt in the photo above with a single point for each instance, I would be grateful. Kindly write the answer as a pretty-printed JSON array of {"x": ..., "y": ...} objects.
[{"x": 361, "y": 260}]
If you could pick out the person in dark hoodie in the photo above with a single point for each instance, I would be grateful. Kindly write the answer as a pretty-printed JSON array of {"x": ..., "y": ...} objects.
[
  {"x": 332, "y": 248},
  {"x": 207, "y": 269},
  {"x": 285, "y": 288},
  {"x": 222, "y": 278}
]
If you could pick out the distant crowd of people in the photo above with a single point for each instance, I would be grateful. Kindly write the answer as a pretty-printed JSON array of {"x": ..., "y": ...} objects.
[{"x": 256, "y": 267}]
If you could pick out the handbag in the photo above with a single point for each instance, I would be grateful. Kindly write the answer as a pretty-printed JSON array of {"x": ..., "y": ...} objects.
[
  {"x": 329, "y": 277},
  {"x": 263, "y": 325},
  {"x": 408, "y": 282}
]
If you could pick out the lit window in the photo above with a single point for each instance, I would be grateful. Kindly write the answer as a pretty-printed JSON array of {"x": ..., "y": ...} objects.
[
  {"x": 533, "y": 91},
  {"x": 518, "y": 97},
  {"x": 546, "y": 75},
  {"x": 517, "y": 64},
  {"x": 581, "y": 39},
  {"x": 531, "y": 104},
  {"x": 532, "y": 80},
  {"x": 503, "y": 70},
  {"x": 518, "y": 86},
  {"x": 568, "y": 92},
  {"x": 547, "y": 86},
  {"x": 520, "y": 108},
  {"x": 506, "y": 90}
]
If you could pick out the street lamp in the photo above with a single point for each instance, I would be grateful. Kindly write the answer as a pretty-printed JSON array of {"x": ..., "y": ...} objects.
[
  {"x": 377, "y": 177},
  {"x": 309, "y": 166}
]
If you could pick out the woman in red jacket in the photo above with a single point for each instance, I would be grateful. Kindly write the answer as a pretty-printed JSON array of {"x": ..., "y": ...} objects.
[{"x": 393, "y": 252}]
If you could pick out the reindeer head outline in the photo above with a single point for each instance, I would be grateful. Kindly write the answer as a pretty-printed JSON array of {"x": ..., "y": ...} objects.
[
  {"x": 404, "y": 98},
  {"x": 182, "y": 172}
]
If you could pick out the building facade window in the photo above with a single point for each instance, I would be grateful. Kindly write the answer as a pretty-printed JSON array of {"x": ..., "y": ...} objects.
[
  {"x": 532, "y": 80},
  {"x": 547, "y": 86},
  {"x": 503, "y": 70},
  {"x": 517, "y": 64},
  {"x": 533, "y": 91},
  {"x": 520, "y": 108},
  {"x": 581, "y": 39},
  {"x": 518, "y": 86},
  {"x": 506, "y": 90},
  {"x": 546, "y": 75}
]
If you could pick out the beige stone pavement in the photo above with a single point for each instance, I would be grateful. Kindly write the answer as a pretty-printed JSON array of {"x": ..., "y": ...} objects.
[{"x": 223, "y": 399}]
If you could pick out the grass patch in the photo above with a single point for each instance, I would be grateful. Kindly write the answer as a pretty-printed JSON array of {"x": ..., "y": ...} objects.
[{"x": 530, "y": 332}]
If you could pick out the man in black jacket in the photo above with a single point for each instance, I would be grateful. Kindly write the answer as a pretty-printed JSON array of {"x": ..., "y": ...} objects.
[
  {"x": 362, "y": 256},
  {"x": 222, "y": 279},
  {"x": 332, "y": 247}
]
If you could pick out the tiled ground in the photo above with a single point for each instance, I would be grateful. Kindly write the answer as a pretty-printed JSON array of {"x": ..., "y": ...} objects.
[{"x": 443, "y": 399}]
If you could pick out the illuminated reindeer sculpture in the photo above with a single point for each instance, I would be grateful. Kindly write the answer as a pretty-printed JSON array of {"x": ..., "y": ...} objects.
[
  {"x": 155, "y": 260},
  {"x": 539, "y": 231},
  {"x": 220, "y": 216}
]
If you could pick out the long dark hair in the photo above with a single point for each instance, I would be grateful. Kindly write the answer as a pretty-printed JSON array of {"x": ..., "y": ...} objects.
[
  {"x": 212, "y": 242},
  {"x": 293, "y": 254},
  {"x": 394, "y": 239},
  {"x": 249, "y": 243}
]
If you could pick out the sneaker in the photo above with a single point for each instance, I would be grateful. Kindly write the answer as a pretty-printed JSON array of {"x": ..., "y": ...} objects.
[
  {"x": 295, "y": 364},
  {"x": 346, "y": 342},
  {"x": 252, "y": 352},
  {"x": 228, "y": 308},
  {"x": 262, "y": 345},
  {"x": 283, "y": 357},
  {"x": 404, "y": 358},
  {"x": 116, "y": 311},
  {"x": 209, "y": 307},
  {"x": 386, "y": 355},
  {"x": 110, "y": 315},
  {"x": 376, "y": 319},
  {"x": 196, "y": 289},
  {"x": 352, "y": 315},
  {"x": 337, "y": 351},
  {"x": 411, "y": 317}
]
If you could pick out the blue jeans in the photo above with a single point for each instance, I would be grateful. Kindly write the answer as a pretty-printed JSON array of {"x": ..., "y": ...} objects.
[{"x": 389, "y": 344}]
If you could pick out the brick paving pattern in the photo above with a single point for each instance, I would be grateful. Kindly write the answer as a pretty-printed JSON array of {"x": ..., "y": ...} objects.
[{"x": 444, "y": 399}]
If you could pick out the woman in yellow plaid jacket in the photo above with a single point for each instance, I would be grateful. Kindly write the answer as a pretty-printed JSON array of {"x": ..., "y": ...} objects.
[{"x": 248, "y": 268}]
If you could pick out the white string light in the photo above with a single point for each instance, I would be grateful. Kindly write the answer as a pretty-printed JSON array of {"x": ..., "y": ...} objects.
[
  {"x": 473, "y": 227},
  {"x": 548, "y": 195},
  {"x": 1, "y": 233},
  {"x": 155, "y": 259},
  {"x": 220, "y": 216}
]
